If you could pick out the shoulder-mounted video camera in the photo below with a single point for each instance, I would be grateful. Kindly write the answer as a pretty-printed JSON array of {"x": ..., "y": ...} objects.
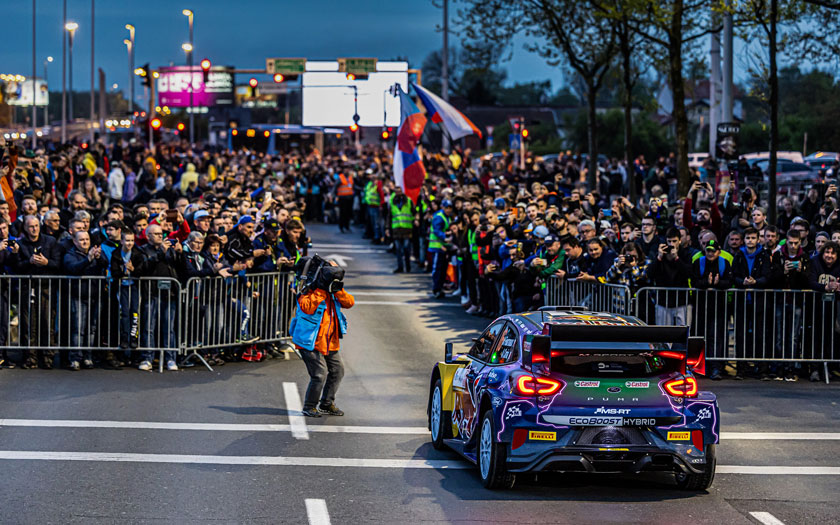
[{"x": 315, "y": 273}]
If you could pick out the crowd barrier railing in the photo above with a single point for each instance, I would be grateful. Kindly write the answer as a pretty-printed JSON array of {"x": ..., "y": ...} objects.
[
  {"x": 750, "y": 325},
  {"x": 43, "y": 315},
  {"x": 227, "y": 311},
  {"x": 612, "y": 298}
]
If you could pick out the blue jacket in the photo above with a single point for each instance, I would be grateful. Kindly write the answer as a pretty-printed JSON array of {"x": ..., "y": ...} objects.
[{"x": 304, "y": 327}]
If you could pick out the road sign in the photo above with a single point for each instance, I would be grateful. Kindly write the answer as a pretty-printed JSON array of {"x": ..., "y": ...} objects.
[
  {"x": 272, "y": 88},
  {"x": 514, "y": 141},
  {"x": 357, "y": 66},
  {"x": 285, "y": 66}
]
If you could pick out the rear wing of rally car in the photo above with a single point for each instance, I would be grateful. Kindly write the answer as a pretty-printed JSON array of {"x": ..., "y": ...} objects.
[{"x": 578, "y": 340}]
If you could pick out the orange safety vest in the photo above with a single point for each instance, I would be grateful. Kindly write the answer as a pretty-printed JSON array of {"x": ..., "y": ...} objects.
[{"x": 345, "y": 189}]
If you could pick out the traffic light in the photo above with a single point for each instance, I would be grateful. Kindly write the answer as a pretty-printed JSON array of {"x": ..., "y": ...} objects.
[
  {"x": 524, "y": 133},
  {"x": 386, "y": 133},
  {"x": 354, "y": 127},
  {"x": 180, "y": 126},
  {"x": 253, "y": 82},
  {"x": 156, "y": 123},
  {"x": 205, "y": 69},
  {"x": 357, "y": 76},
  {"x": 279, "y": 78},
  {"x": 147, "y": 75}
]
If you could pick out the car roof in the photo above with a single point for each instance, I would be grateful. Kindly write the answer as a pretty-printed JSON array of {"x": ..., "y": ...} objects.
[{"x": 533, "y": 322}]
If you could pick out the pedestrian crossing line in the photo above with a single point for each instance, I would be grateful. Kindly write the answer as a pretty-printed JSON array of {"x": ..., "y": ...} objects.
[
  {"x": 780, "y": 436},
  {"x": 316, "y": 511},
  {"x": 301, "y": 461},
  {"x": 297, "y": 421},
  {"x": 766, "y": 518},
  {"x": 390, "y": 294}
]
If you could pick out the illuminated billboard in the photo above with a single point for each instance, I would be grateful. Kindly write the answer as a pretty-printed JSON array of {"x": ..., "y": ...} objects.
[
  {"x": 328, "y": 97},
  {"x": 173, "y": 87},
  {"x": 20, "y": 93}
]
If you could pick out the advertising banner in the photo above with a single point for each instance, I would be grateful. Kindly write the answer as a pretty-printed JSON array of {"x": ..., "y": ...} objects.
[{"x": 173, "y": 87}]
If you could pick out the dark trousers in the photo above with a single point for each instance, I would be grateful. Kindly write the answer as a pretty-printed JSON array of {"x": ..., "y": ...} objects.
[
  {"x": 325, "y": 373},
  {"x": 439, "y": 265},
  {"x": 403, "y": 253},
  {"x": 129, "y": 315},
  {"x": 36, "y": 320},
  {"x": 345, "y": 212}
]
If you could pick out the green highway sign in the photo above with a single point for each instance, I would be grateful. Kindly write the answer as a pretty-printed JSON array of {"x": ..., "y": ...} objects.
[
  {"x": 285, "y": 66},
  {"x": 357, "y": 66}
]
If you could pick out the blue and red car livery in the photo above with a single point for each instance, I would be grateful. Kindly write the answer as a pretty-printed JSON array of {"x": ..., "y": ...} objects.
[{"x": 564, "y": 389}]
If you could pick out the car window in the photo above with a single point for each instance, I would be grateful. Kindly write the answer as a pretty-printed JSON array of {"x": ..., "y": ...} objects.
[
  {"x": 482, "y": 347},
  {"x": 507, "y": 351}
]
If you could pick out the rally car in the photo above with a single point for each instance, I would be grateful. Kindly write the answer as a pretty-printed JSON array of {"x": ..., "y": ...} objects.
[{"x": 563, "y": 389}]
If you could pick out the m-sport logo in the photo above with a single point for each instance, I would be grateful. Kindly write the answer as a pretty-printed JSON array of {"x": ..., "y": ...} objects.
[{"x": 612, "y": 411}]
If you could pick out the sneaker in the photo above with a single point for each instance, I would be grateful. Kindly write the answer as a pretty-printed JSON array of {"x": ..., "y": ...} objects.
[
  {"x": 472, "y": 310},
  {"x": 815, "y": 376},
  {"x": 74, "y": 366},
  {"x": 247, "y": 339},
  {"x": 113, "y": 364},
  {"x": 145, "y": 366},
  {"x": 791, "y": 378},
  {"x": 311, "y": 412},
  {"x": 439, "y": 295},
  {"x": 171, "y": 366},
  {"x": 715, "y": 375},
  {"x": 87, "y": 364},
  {"x": 766, "y": 377},
  {"x": 330, "y": 409}
]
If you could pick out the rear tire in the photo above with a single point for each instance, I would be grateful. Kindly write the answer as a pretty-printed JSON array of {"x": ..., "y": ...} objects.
[
  {"x": 492, "y": 456},
  {"x": 697, "y": 482},
  {"x": 440, "y": 421}
]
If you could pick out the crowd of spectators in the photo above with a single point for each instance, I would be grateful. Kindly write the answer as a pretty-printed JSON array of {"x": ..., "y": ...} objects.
[
  {"x": 497, "y": 234},
  {"x": 122, "y": 212}
]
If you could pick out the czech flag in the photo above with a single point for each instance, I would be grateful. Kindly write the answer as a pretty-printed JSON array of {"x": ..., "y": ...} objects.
[
  {"x": 409, "y": 172},
  {"x": 455, "y": 123}
]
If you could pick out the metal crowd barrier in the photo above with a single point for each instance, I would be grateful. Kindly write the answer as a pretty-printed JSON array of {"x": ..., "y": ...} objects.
[
  {"x": 599, "y": 297},
  {"x": 40, "y": 315},
  {"x": 750, "y": 325},
  {"x": 225, "y": 311},
  {"x": 43, "y": 315}
]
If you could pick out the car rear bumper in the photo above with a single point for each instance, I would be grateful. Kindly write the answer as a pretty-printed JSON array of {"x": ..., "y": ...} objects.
[{"x": 602, "y": 460}]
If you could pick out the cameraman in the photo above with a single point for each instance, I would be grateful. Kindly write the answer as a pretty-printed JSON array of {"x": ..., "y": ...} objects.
[{"x": 321, "y": 308}]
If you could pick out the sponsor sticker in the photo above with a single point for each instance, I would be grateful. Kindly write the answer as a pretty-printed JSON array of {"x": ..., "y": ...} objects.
[
  {"x": 513, "y": 411},
  {"x": 612, "y": 411},
  {"x": 679, "y": 436},
  {"x": 535, "y": 435},
  {"x": 614, "y": 389},
  {"x": 615, "y": 449},
  {"x": 587, "y": 384},
  {"x": 704, "y": 413},
  {"x": 637, "y": 384}
]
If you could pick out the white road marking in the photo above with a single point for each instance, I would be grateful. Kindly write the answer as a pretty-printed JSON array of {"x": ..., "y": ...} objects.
[
  {"x": 338, "y": 246},
  {"x": 340, "y": 429},
  {"x": 401, "y": 303},
  {"x": 781, "y": 436},
  {"x": 390, "y": 294},
  {"x": 765, "y": 517},
  {"x": 297, "y": 461},
  {"x": 350, "y": 250},
  {"x": 340, "y": 260},
  {"x": 316, "y": 511},
  {"x": 285, "y": 461},
  {"x": 294, "y": 407},
  {"x": 211, "y": 427},
  {"x": 778, "y": 470}
]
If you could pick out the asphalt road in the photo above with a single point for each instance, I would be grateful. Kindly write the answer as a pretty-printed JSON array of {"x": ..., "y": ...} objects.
[{"x": 228, "y": 446}]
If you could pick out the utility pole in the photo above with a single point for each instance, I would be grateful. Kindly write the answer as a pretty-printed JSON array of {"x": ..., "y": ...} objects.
[
  {"x": 34, "y": 86},
  {"x": 64, "y": 76},
  {"x": 727, "y": 68},
  {"x": 714, "y": 86},
  {"x": 92, "y": 71},
  {"x": 444, "y": 72}
]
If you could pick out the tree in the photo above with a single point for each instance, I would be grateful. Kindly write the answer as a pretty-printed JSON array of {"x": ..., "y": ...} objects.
[
  {"x": 671, "y": 26},
  {"x": 562, "y": 31}
]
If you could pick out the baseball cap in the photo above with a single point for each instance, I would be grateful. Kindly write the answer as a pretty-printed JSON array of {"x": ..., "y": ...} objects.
[
  {"x": 540, "y": 232},
  {"x": 245, "y": 219},
  {"x": 271, "y": 224},
  {"x": 200, "y": 214},
  {"x": 551, "y": 238},
  {"x": 499, "y": 203},
  {"x": 712, "y": 245},
  {"x": 446, "y": 203}
]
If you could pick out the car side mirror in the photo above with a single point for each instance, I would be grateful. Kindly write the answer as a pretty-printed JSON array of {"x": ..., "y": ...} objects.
[
  {"x": 447, "y": 353},
  {"x": 696, "y": 355}
]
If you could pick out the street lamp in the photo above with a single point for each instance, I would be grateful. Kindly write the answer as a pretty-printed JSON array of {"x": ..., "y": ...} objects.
[
  {"x": 191, "y": 16},
  {"x": 46, "y": 116},
  {"x": 71, "y": 28},
  {"x": 130, "y": 44}
]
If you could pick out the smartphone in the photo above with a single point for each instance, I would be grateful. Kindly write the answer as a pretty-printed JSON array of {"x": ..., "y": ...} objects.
[
  {"x": 608, "y": 213},
  {"x": 795, "y": 264},
  {"x": 172, "y": 216}
]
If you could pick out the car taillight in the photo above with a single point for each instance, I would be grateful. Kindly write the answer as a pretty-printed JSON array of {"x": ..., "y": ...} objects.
[
  {"x": 529, "y": 385},
  {"x": 683, "y": 387}
]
